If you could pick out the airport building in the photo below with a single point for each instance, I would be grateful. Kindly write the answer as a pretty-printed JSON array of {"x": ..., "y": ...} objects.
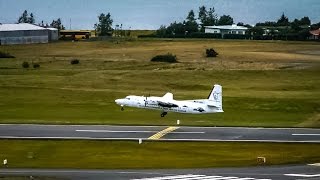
[
  {"x": 315, "y": 34},
  {"x": 25, "y": 33},
  {"x": 227, "y": 29}
]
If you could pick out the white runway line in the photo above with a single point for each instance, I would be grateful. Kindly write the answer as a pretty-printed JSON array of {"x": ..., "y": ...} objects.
[
  {"x": 305, "y": 134},
  {"x": 303, "y": 175},
  {"x": 198, "y": 177},
  {"x": 172, "y": 177},
  {"x": 314, "y": 164}
]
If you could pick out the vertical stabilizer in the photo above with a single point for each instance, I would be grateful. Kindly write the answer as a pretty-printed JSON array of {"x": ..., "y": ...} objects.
[{"x": 216, "y": 95}]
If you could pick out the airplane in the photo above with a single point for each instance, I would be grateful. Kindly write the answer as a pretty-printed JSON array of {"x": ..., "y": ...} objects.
[{"x": 166, "y": 103}]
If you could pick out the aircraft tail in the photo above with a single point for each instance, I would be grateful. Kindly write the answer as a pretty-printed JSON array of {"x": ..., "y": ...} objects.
[{"x": 215, "y": 96}]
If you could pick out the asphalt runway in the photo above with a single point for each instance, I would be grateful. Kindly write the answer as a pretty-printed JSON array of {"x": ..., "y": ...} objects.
[
  {"x": 182, "y": 133},
  {"x": 310, "y": 172}
]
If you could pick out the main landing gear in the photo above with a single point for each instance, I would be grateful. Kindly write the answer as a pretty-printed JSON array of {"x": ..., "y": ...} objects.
[
  {"x": 163, "y": 114},
  {"x": 122, "y": 108}
]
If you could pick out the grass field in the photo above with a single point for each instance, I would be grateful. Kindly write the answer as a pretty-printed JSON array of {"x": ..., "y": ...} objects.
[
  {"x": 123, "y": 154},
  {"x": 265, "y": 83}
]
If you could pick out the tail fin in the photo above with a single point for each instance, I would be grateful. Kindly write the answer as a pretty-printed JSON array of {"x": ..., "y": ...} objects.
[
  {"x": 216, "y": 95},
  {"x": 168, "y": 96}
]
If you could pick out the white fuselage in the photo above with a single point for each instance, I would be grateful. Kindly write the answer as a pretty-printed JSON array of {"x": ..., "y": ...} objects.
[
  {"x": 166, "y": 103},
  {"x": 156, "y": 103}
]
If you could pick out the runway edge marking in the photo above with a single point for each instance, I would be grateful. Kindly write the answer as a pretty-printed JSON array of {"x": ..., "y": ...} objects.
[
  {"x": 303, "y": 175},
  {"x": 162, "y": 133}
]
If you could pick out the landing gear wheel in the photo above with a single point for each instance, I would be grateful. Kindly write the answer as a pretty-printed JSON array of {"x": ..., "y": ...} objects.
[
  {"x": 122, "y": 108},
  {"x": 163, "y": 114}
]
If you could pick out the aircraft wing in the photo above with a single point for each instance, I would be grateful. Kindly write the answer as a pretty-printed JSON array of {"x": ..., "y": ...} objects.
[{"x": 167, "y": 104}]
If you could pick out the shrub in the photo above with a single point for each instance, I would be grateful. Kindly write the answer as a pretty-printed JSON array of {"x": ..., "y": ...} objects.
[
  {"x": 5, "y": 55},
  {"x": 204, "y": 35},
  {"x": 170, "y": 58},
  {"x": 236, "y": 36},
  {"x": 147, "y": 36},
  {"x": 36, "y": 65},
  {"x": 75, "y": 61},
  {"x": 25, "y": 64},
  {"x": 211, "y": 52}
]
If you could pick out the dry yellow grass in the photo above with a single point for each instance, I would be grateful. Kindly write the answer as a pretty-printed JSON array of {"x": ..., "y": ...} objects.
[{"x": 252, "y": 55}]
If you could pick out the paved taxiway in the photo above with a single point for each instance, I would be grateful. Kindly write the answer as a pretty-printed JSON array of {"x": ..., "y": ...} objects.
[
  {"x": 251, "y": 173},
  {"x": 182, "y": 133}
]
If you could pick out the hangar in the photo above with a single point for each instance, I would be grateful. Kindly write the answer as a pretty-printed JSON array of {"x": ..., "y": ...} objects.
[{"x": 25, "y": 33}]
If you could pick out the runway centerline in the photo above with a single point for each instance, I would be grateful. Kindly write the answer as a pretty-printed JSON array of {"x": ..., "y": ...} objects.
[{"x": 112, "y": 131}]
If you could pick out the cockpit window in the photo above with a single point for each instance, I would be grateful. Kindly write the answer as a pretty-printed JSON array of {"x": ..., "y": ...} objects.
[{"x": 127, "y": 98}]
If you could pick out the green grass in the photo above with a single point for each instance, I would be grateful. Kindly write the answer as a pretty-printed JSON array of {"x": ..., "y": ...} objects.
[
  {"x": 264, "y": 83},
  {"x": 123, "y": 154}
]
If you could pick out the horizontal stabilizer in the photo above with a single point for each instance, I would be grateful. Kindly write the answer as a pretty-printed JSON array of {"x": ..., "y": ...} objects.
[{"x": 214, "y": 103}]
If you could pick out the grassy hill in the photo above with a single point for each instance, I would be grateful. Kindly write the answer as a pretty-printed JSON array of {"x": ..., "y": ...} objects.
[{"x": 265, "y": 83}]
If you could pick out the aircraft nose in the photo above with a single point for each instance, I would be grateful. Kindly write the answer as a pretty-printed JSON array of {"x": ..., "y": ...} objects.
[{"x": 118, "y": 101}]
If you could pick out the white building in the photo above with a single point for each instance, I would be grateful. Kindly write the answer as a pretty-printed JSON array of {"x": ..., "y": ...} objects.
[
  {"x": 25, "y": 33},
  {"x": 227, "y": 29},
  {"x": 53, "y": 34}
]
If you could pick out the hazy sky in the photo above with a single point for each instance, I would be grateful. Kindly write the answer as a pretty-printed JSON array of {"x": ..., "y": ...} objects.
[{"x": 150, "y": 14}]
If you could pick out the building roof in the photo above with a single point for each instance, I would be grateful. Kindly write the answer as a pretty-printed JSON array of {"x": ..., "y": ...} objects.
[
  {"x": 315, "y": 32},
  {"x": 229, "y": 27},
  {"x": 19, "y": 27},
  {"x": 52, "y": 29}
]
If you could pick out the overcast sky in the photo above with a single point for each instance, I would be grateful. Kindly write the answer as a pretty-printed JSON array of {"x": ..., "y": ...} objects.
[{"x": 150, "y": 14}]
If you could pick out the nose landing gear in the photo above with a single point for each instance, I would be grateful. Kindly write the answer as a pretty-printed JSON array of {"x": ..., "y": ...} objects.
[
  {"x": 122, "y": 109},
  {"x": 163, "y": 114}
]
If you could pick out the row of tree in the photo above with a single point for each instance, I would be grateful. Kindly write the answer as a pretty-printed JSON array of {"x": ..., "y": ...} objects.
[
  {"x": 283, "y": 29},
  {"x": 29, "y": 18},
  {"x": 284, "y": 21},
  {"x": 194, "y": 26},
  {"x": 206, "y": 17}
]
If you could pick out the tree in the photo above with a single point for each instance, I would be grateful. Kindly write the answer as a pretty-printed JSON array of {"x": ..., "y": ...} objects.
[
  {"x": 31, "y": 19},
  {"x": 305, "y": 21},
  {"x": 295, "y": 25},
  {"x": 105, "y": 24},
  {"x": 225, "y": 20},
  {"x": 256, "y": 31},
  {"x": 240, "y": 24},
  {"x": 57, "y": 24},
  {"x": 315, "y": 26},
  {"x": 212, "y": 17},
  {"x": 202, "y": 15},
  {"x": 161, "y": 32},
  {"x": 283, "y": 21},
  {"x": 176, "y": 29},
  {"x": 207, "y": 18},
  {"x": 24, "y": 17},
  {"x": 191, "y": 24}
]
